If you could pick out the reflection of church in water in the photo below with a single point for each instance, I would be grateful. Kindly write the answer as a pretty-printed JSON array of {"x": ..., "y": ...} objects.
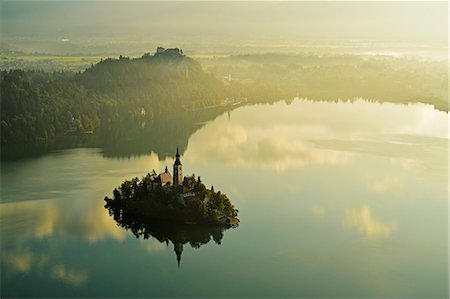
[
  {"x": 180, "y": 235},
  {"x": 165, "y": 179}
]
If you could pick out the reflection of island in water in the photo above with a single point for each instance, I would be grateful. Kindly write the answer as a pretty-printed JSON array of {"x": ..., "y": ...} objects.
[
  {"x": 178, "y": 234},
  {"x": 195, "y": 212}
]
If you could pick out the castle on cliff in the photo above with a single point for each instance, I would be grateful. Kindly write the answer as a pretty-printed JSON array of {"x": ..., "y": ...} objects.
[{"x": 172, "y": 51}]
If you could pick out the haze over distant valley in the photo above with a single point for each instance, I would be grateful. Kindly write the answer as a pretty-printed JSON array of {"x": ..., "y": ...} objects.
[
  {"x": 223, "y": 27},
  {"x": 232, "y": 53},
  {"x": 316, "y": 133}
]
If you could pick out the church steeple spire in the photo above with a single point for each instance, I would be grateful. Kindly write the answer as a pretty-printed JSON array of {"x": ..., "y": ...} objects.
[
  {"x": 177, "y": 170},
  {"x": 177, "y": 158}
]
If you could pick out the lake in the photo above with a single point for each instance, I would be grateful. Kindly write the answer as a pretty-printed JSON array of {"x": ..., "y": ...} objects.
[{"x": 336, "y": 199}]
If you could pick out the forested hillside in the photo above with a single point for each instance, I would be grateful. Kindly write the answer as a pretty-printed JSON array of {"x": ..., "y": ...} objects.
[
  {"x": 123, "y": 94},
  {"x": 37, "y": 105}
]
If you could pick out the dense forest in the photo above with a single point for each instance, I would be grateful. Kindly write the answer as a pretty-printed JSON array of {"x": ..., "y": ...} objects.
[
  {"x": 116, "y": 97},
  {"x": 121, "y": 92}
]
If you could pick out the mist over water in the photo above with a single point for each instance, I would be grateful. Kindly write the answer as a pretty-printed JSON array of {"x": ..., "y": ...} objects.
[
  {"x": 325, "y": 124},
  {"x": 333, "y": 198}
]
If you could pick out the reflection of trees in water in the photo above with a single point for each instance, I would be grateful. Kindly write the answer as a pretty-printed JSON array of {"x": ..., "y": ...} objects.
[
  {"x": 161, "y": 136},
  {"x": 20, "y": 151},
  {"x": 178, "y": 234},
  {"x": 125, "y": 139}
]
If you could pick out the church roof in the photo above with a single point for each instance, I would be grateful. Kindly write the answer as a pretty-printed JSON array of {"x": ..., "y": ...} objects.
[{"x": 164, "y": 178}]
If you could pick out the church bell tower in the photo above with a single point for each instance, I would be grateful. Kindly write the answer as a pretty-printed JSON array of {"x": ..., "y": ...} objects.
[{"x": 177, "y": 171}]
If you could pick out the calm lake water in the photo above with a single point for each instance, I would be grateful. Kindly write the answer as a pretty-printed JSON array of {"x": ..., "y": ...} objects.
[{"x": 335, "y": 199}]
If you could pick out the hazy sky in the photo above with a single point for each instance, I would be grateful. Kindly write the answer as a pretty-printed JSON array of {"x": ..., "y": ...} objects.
[{"x": 224, "y": 20}]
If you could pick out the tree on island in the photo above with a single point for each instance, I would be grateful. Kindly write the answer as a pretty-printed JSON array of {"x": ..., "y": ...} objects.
[{"x": 190, "y": 203}]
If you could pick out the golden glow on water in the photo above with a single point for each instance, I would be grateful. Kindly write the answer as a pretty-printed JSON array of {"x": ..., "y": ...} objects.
[
  {"x": 354, "y": 193},
  {"x": 45, "y": 218},
  {"x": 365, "y": 223},
  {"x": 305, "y": 133},
  {"x": 336, "y": 199}
]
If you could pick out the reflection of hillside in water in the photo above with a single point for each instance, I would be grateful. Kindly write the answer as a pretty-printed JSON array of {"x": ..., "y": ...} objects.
[
  {"x": 125, "y": 140},
  {"x": 160, "y": 137},
  {"x": 178, "y": 234}
]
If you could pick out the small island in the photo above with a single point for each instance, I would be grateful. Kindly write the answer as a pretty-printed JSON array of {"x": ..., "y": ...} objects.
[{"x": 174, "y": 198}]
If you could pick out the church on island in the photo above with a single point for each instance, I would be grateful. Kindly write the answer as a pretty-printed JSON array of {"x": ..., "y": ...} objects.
[
  {"x": 175, "y": 199},
  {"x": 165, "y": 179},
  {"x": 177, "y": 182}
]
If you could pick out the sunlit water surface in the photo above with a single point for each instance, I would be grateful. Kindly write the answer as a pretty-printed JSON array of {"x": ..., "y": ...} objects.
[{"x": 335, "y": 199}]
